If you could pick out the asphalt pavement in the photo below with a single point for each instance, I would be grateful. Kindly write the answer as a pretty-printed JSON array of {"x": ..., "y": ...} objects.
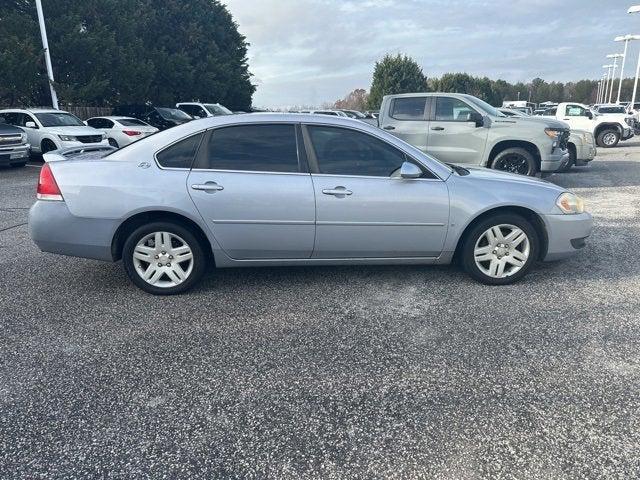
[{"x": 328, "y": 372}]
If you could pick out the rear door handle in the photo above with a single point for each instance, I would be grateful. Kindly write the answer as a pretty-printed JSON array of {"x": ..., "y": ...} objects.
[
  {"x": 437, "y": 129},
  {"x": 337, "y": 192},
  {"x": 389, "y": 127},
  {"x": 209, "y": 187}
]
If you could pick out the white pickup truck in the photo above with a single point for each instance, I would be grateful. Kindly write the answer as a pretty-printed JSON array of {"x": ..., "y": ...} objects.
[{"x": 608, "y": 128}]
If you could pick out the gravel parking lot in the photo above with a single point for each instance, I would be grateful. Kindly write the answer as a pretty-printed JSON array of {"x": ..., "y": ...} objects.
[{"x": 358, "y": 372}]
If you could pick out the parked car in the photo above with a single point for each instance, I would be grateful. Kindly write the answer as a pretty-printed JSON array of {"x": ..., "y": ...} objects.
[
  {"x": 49, "y": 129},
  {"x": 159, "y": 117},
  {"x": 332, "y": 113},
  {"x": 14, "y": 149},
  {"x": 581, "y": 144},
  {"x": 203, "y": 110},
  {"x": 281, "y": 189},
  {"x": 354, "y": 114},
  {"x": 121, "y": 131},
  {"x": 463, "y": 129},
  {"x": 608, "y": 128}
]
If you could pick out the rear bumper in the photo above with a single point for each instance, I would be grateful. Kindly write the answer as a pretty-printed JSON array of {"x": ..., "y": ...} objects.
[
  {"x": 54, "y": 229},
  {"x": 566, "y": 234},
  {"x": 14, "y": 154},
  {"x": 554, "y": 161}
]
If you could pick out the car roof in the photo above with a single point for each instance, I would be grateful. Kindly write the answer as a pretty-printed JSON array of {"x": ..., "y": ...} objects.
[
  {"x": 33, "y": 110},
  {"x": 115, "y": 117}
]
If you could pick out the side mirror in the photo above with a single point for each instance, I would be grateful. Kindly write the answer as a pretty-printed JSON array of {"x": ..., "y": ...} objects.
[
  {"x": 31, "y": 125},
  {"x": 477, "y": 119},
  {"x": 589, "y": 115},
  {"x": 410, "y": 170}
]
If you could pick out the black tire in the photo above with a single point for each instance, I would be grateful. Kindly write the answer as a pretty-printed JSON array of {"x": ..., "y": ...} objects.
[
  {"x": 199, "y": 260},
  {"x": 572, "y": 160},
  {"x": 113, "y": 143},
  {"x": 47, "y": 146},
  {"x": 18, "y": 165},
  {"x": 608, "y": 138},
  {"x": 515, "y": 160},
  {"x": 477, "y": 232}
]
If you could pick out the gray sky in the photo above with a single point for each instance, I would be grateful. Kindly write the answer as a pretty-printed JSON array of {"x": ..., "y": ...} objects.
[{"x": 305, "y": 52}]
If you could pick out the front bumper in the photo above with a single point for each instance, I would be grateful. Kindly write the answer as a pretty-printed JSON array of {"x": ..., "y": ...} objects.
[
  {"x": 54, "y": 229},
  {"x": 566, "y": 234},
  {"x": 554, "y": 161},
  {"x": 14, "y": 154}
]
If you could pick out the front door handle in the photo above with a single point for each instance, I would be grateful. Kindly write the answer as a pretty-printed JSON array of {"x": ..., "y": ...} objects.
[
  {"x": 339, "y": 192},
  {"x": 389, "y": 127},
  {"x": 437, "y": 129},
  {"x": 209, "y": 187}
]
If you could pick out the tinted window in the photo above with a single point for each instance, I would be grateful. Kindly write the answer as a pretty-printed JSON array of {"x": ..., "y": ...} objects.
[
  {"x": 341, "y": 151},
  {"x": 611, "y": 110},
  {"x": 409, "y": 108},
  {"x": 131, "y": 122},
  {"x": 452, "y": 110},
  {"x": 258, "y": 148},
  {"x": 193, "y": 110},
  {"x": 181, "y": 154}
]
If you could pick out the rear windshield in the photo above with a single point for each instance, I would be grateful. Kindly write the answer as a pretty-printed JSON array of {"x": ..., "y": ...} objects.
[
  {"x": 59, "y": 119},
  {"x": 131, "y": 122}
]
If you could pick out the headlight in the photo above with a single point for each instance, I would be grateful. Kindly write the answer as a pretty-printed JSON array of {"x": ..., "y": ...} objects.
[
  {"x": 23, "y": 138},
  {"x": 104, "y": 136},
  {"x": 552, "y": 132},
  {"x": 570, "y": 203},
  {"x": 67, "y": 138}
]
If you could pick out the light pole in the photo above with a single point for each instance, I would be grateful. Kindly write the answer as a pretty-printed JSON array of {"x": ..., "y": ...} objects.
[
  {"x": 615, "y": 57},
  {"x": 47, "y": 57},
  {"x": 607, "y": 82},
  {"x": 635, "y": 9}
]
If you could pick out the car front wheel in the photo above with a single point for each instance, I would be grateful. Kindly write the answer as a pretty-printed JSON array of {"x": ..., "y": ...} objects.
[
  {"x": 163, "y": 258},
  {"x": 500, "y": 249},
  {"x": 515, "y": 160}
]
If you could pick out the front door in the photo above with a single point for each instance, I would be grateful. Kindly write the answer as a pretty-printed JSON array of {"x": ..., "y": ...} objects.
[
  {"x": 253, "y": 193},
  {"x": 577, "y": 117},
  {"x": 453, "y": 137},
  {"x": 364, "y": 209}
]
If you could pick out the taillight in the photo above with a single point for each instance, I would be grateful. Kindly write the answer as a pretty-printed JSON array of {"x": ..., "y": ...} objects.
[
  {"x": 47, "y": 186},
  {"x": 131, "y": 133}
]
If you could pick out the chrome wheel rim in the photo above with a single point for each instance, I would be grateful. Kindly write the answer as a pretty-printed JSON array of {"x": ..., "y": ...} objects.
[
  {"x": 163, "y": 259},
  {"x": 609, "y": 138},
  {"x": 502, "y": 251},
  {"x": 513, "y": 163}
]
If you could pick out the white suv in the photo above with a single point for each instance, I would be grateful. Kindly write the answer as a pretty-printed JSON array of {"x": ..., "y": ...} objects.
[{"x": 49, "y": 130}]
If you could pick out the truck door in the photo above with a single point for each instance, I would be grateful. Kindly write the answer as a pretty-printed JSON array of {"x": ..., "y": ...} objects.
[
  {"x": 576, "y": 116},
  {"x": 406, "y": 118}
]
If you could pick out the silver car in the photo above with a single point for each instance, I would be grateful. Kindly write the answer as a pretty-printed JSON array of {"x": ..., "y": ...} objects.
[{"x": 283, "y": 189}]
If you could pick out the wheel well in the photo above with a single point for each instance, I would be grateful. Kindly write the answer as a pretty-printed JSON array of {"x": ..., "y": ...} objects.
[
  {"x": 607, "y": 126},
  {"x": 502, "y": 146},
  {"x": 530, "y": 215},
  {"x": 129, "y": 225},
  {"x": 44, "y": 140}
]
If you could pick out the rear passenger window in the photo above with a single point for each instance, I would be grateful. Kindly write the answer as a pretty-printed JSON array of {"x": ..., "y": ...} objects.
[
  {"x": 181, "y": 154},
  {"x": 258, "y": 148},
  {"x": 409, "y": 108}
]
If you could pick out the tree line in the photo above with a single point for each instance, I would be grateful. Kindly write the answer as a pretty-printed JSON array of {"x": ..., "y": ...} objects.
[
  {"x": 396, "y": 74},
  {"x": 110, "y": 52}
]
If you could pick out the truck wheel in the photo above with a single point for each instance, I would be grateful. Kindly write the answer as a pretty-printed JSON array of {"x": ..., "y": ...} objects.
[
  {"x": 515, "y": 160},
  {"x": 608, "y": 138}
]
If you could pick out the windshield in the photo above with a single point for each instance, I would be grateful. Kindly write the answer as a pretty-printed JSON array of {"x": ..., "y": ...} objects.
[
  {"x": 354, "y": 114},
  {"x": 59, "y": 119},
  {"x": 217, "y": 109},
  {"x": 493, "y": 111},
  {"x": 174, "y": 114}
]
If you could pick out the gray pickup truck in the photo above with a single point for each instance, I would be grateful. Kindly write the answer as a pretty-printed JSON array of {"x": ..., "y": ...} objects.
[
  {"x": 459, "y": 128},
  {"x": 14, "y": 149}
]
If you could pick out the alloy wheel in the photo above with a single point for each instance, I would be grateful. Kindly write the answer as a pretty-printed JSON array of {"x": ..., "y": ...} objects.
[
  {"x": 609, "y": 139},
  {"x": 163, "y": 259},
  {"x": 513, "y": 163},
  {"x": 502, "y": 251}
]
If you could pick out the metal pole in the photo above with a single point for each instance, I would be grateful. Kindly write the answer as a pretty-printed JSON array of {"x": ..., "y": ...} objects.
[
  {"x": 606, "y": 85},
  {"x": 613, "y": 80},
  {"x": 47, "y": 57},
  {"x": 599, "y": 91},
  {"x": 635, "y": 84},
  {"x": 624, "y": 59}
]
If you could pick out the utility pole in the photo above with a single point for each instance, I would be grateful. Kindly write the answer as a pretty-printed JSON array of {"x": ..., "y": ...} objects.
[{"x": 47, "y": 56}]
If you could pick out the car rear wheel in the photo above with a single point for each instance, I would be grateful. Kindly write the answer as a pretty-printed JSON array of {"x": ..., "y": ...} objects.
[
  {"x": 515, "y": 160},
  {"x": 163, "y": 258},
  {"x": 500, "y": 249},
  {"x": 608, "y": 138}
]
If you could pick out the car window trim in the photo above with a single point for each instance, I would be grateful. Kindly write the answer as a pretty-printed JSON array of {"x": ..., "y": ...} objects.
[
  {"x": 303, "y": 168},
  {"x": 313, "y": 159},
  {"x": 425, "y": 113}
]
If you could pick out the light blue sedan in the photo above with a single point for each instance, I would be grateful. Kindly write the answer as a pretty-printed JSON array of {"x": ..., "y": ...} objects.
[{"x": 291, "y": 189}]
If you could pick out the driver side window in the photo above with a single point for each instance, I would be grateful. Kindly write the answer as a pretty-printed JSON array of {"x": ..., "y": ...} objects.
[
  {"x": 341, "y": 151},
  {"x": 576, "y": 111}
]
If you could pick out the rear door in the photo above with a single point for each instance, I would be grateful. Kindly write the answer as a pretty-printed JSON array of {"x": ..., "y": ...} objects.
[
  {"x": 254, "y": 191},
  {"x": 453, "y": 137},
  {"x": 406, "y": 118}
]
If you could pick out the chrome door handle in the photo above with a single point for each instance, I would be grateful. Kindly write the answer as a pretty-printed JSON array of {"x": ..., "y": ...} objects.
[
  {"x": 337, "y": 192},
  {"x": 437, "y": 129},
  {"x": 209, "y": 187}
]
